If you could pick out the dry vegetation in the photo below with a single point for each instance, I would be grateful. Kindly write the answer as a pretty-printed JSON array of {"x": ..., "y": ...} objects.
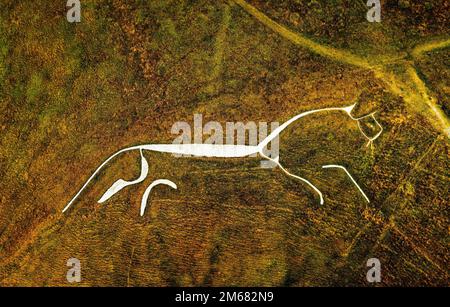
[{"x": 72, "y": 94}]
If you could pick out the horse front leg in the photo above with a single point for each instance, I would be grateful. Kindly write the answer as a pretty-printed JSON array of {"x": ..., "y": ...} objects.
[{"x": 277, "y": 162}]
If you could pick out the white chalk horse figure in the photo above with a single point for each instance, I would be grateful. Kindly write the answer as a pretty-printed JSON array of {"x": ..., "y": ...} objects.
[{"x": 220, "y": 151}]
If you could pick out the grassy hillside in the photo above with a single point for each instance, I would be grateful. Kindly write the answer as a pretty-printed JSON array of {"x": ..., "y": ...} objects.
[{"x": 73, "y": 94}]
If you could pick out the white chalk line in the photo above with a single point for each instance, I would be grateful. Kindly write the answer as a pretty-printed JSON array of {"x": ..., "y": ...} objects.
[
  {"x": 120, "y": 184},
  {"x": 149, "y": 189},
  {"x": 277, "y": 162},
  {"x": 213, "y": 150},
  {"x": 350, "y": 176}
]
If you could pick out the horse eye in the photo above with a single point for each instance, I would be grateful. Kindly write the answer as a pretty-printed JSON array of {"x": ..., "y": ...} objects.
[{"x": 370, "y": 126}]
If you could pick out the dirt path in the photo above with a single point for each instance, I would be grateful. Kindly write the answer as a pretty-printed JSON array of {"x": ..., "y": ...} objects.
[
  {"x": 409, "y": 85},
  {"x": 298, "y": 39},
  {"x": 420, "y": 49}
]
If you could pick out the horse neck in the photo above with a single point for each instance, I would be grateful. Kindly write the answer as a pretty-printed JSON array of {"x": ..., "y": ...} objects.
[{"x": 286, "y": 124}]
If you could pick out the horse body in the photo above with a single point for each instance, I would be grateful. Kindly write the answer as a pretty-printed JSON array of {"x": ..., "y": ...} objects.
[
  {"x": 211, "y": 151},
  {"x": 205, "y": 150}
]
